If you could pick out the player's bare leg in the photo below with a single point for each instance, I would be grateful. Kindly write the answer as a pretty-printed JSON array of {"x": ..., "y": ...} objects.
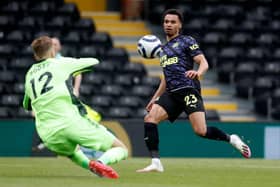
[
  {"x": 198, "y": 122},
  {"x": 151, "y": 138}
]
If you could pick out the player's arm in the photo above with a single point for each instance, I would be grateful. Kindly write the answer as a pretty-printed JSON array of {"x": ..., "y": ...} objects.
[
  {"x": 203, "y": 67},
  {"x": 158, "y": 93},
  {"x": 76, "y": 66},
  {"x": 77, "y": 84},
  {"x": 198, "y": 57},
  {"x": 203, "y": 64},
  {"x": 83, "y": 65},
  {"x": 161, "y": 88},
  {"x": 26, "y": 102}
]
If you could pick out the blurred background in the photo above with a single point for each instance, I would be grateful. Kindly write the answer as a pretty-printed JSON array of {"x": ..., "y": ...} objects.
[{"x": 240, "y": 39}]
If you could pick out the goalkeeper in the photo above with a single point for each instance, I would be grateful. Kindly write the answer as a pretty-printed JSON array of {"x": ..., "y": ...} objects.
[
  {"x": 61, "y": 119},
  {"x": 92, "y": 114},
  {"x": 77, "y": 79}
]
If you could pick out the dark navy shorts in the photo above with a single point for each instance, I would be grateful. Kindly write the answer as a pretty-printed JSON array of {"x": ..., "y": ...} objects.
[{"x": 188, "y": 100}]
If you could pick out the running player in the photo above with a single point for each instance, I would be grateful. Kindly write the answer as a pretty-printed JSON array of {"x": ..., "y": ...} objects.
[
  {"x": 179, "y": 91},
  {"x": 61, "y": 119}
]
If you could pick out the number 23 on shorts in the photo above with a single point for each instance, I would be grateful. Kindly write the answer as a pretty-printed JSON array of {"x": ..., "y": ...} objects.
[{"x": 191, "y": 100}]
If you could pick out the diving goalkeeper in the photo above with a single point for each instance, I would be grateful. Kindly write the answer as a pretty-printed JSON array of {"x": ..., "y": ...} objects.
[{"x": 61, "y": 119}]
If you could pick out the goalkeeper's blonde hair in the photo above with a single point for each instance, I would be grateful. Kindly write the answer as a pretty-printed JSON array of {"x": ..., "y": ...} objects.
[{"x": 41, "y": 47}]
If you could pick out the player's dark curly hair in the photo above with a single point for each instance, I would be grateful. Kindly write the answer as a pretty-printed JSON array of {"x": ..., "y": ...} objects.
[{"x": 174, "y": 12}]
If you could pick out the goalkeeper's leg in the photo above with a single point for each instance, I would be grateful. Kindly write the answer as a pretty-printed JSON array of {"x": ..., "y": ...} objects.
[
  {"x": 96, "y": 167},
  {"x": 100, "y": 167},
  {"x": 80, "y": 158},
  {"x": 115, "y": 154},
  {"x": 97, "y": 137}
]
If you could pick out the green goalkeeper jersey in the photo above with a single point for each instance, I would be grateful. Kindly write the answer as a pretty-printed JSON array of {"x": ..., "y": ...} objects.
[{"x": 49, "y": 93}]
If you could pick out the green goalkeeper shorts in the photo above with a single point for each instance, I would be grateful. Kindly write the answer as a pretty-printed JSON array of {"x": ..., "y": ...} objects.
[{"x": 84, "y": 133}]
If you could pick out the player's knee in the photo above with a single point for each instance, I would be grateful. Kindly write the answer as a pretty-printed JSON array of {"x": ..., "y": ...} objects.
[
  {"x": 125, "y": 151},
  {"x": 200, "y": 131},
  {"x": 118, "y": 143},
  {"x": 122, "y": 145},
  {"x": 125, "y": 154},
  {"x": 150, "y": 119}
]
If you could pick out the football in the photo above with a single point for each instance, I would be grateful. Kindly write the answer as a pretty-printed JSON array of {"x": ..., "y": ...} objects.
[{"x": 149, "y": 46}]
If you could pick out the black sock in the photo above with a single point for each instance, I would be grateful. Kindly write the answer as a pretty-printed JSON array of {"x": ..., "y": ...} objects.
[
  {"x": 151, "y": 138},
  {"x": 214, "y": 133}
]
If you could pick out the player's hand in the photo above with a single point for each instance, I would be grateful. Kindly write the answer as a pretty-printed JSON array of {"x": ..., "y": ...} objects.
[
  {"x": 150, "y": 105},
  {"x": 192, "y": 74},
  {"x": 76, "y": 92}
]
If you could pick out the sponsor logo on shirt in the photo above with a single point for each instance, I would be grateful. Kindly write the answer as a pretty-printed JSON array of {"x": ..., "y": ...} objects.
[{"x": 164, "y": 61}]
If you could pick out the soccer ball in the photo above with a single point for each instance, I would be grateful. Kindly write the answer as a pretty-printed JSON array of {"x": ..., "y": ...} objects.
[{"x": 149, "y": 46}]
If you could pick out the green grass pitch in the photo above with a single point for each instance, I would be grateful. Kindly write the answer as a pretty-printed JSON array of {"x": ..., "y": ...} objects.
[{"x": 184, "y": 172}]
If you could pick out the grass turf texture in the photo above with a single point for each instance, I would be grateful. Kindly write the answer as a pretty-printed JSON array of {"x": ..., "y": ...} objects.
[{"x": 61, "y": 172}]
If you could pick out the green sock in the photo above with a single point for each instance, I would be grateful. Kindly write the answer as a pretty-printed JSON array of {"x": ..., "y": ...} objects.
[
  {"x": 113, "y": 155},
  {"x": 80, "y": 158}
]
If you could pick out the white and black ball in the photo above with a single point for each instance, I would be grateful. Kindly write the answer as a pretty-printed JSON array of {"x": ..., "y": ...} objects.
[{"x": 149, "y": 46}]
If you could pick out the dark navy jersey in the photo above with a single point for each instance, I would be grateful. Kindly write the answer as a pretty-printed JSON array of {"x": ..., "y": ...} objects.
[{"x": 176, "y": 58}]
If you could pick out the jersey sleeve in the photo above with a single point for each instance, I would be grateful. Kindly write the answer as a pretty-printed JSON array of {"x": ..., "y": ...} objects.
[
  {"x": 26, "y": 102},
  {"x": 192, "y": 46},
  {"x": 76, "y": 66}
]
